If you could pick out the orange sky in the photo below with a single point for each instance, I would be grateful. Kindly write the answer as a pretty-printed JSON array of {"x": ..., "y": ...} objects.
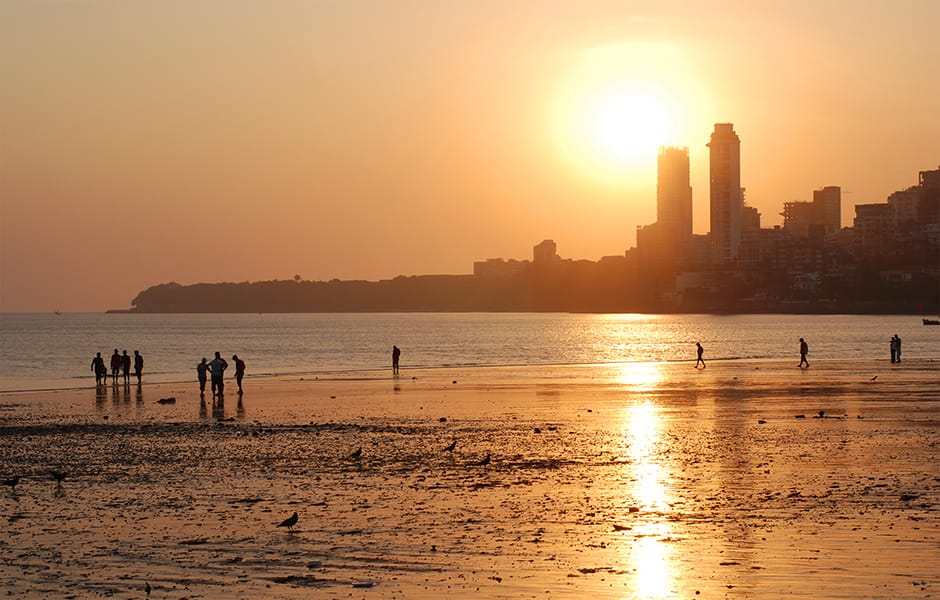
[{"x": 146, "y": 142}]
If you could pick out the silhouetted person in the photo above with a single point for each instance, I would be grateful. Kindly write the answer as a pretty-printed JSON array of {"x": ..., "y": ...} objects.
[
  {"x": 804, "y": 350},
  {"x": 217, "y": 367},
  {"x": 202, "y": 370},
  {"x": 699, "y": 351},
  {"x": 116, "y": 363},
  {"x": 894, "y": 348},
  {"x": 897, "y": 343},
  {"x": 239, "y": 371},
  {"x": 101, "y": 371},
  {"x": 396, "y": 354},
  {"x": 138, "y": 365},
  {"x": 126, "y": 367}
]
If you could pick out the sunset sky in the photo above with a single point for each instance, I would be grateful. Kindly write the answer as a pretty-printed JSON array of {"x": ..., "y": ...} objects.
[{"x": 203, "y": 141}]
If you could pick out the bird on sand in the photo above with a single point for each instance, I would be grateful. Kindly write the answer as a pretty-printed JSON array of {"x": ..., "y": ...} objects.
[
  {"x": 357, "y": 453},
  {"x": 873, "y": 378},
  {"x": 289, "y": 522},
  {"x": 12, "y": 482},
  {"x": 59, "y": 476},
  {"x": 485, "y": 461},
  {"x": 147, "y": 588},
  {"x": 453, "y": 445}
]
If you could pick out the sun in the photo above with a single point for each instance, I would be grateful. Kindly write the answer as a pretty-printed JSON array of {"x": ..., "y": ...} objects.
[
  {"x": 617, "y": 104},
  {"x": 627, "y": 125}
]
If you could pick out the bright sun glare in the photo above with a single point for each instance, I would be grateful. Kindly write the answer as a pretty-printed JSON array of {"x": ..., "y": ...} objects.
[
  {"x": 628, "y": 125},
  {"x": 618, "y": 104}
]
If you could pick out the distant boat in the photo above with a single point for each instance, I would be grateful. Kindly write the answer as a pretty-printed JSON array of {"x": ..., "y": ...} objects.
[{"x": 931, "y": 321}]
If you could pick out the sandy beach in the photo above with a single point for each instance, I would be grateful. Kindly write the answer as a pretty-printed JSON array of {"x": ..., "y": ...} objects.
[{"x": 749, "y": 479}]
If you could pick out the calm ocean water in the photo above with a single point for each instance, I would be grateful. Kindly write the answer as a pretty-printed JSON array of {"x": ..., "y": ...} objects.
[{"x": 46, "y": 351}]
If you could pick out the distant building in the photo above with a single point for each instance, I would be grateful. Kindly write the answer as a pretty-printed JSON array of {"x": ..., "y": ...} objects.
[
  {"x": 874, "y": 230},
  {"x": 823, "y": 214},
  {"x": 828, "y": 201},
  {"x": 544, "y": 252},
  {"x": 497, "y": 267},
  {"x": 674, "y": 196},
  {"x": 725, "y": 195}
]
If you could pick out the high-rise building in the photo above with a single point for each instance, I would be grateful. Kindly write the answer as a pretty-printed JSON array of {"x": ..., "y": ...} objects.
[
  {"x": 829, "y": 201},
  {"x": 725, "y": 196},
  {"x": 674, "y": 196}
]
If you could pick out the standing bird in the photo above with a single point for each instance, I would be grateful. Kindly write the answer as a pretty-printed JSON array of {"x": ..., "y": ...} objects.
[
  {"x": 453, "y": 445},
  {"x": 357, "y": 454},
  {"x": 12, "y": 482},
  {"x": 485, "y": 461},
  {"x": 289, "y": 522}
]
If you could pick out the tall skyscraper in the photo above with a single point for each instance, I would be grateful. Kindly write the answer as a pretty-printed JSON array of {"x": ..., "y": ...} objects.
[
  {"x": 674, "y": 197},
  {"x": 725, "y": 195}
]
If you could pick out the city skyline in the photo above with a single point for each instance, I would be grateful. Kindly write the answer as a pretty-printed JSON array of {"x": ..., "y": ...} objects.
[{"x": 148, "y": 144}]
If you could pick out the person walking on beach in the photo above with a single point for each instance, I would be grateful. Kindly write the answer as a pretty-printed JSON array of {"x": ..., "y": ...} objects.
[
  {"x": 217, "y": 367},
  {"x": 138, "y": 365},
  {"x": 201, "y": 370},
  {"x": 897, "y": 345},
  {"x": 396, "y": 354},
  {"x": 239, "y": 371},
  {"x": 894, "y": 348},
  {"x": 699, "y": 351},
  {"x": 804, "y": 350},
  {"x": 101, "y": 371},
  {"x": 116, "y": 363},
  {"x": 126, "y": 367}
]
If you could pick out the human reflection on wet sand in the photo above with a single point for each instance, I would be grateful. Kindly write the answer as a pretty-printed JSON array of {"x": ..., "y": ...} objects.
[{"x": 651, "y": 554}]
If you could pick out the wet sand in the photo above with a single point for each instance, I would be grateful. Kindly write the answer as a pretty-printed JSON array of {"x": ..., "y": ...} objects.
[{"x": 743, "y": 480}]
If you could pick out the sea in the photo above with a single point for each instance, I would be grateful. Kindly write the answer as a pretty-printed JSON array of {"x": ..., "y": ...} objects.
[{"x": 54, "y": 351}]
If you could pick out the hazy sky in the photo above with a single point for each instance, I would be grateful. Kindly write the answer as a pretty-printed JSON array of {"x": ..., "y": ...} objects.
[{"x": 202, "y": 141}]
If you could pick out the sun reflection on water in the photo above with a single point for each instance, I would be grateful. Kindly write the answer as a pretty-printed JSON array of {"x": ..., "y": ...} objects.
[
  {"x": 651, "y": 554},
  {"x": 640, "y": 375}
]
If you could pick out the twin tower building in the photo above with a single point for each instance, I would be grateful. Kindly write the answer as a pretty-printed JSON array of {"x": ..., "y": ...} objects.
[{"x": 672, "y": 236}]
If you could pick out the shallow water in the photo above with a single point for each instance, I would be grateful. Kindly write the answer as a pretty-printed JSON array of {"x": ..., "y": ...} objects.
[{"x": 42, "y": 352}]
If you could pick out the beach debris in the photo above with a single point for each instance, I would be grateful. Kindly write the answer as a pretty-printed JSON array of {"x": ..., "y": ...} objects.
[
  {"x": 454, "y": 381},
  {"x": 908, "y": 497},
  {"x": 357, "y": 454},
  {"x": 452, "y": 446},
  {"x": 537, "y": 430},
  {"x": 820, "y": 415},
  {"x": 800, "y": 417},
  {"x": 289, "y": 522},
  {"x": 761, "y": 421},
  {"x": 622, "y": 527},
  {"x": 11, "y": 482},
  {"x": 873, "y": 378},
  {"x": 362, "y": 584},
  {"x": 147, "y": 588},
  {"x": 442, "y": 420},
  {"x": 170, "y": 400},
  {"x": 483, "y": 462}
]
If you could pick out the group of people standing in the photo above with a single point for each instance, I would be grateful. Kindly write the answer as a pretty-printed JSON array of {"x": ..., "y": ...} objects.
[
  {"x": 120, "y": 363},
  {"x": 215, "y": 369}
]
